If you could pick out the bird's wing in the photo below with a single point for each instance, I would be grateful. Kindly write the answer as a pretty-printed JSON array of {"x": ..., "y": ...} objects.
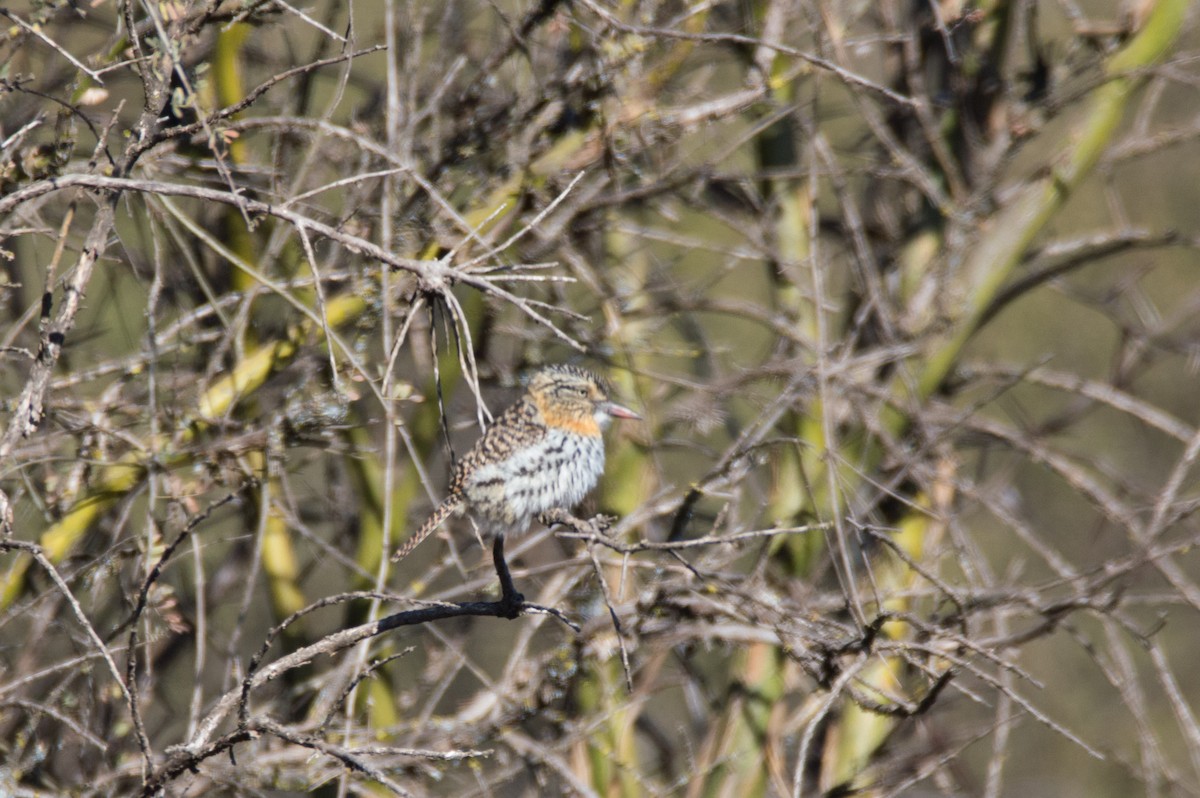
[{"x": 517, "y": 427}]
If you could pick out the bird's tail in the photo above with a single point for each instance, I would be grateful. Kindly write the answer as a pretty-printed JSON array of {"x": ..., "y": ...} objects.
[{"x": 443, "y": 511}]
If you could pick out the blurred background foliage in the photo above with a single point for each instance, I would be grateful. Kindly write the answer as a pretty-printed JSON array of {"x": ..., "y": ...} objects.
[{"x": 905, "y": 291}]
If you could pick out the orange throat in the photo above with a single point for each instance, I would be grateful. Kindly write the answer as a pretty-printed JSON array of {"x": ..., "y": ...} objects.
[{"x": 579, "y": 423}]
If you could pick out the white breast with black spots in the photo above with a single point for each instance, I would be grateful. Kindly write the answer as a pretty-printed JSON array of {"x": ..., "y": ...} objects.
[{"x": 557, "y": 471}]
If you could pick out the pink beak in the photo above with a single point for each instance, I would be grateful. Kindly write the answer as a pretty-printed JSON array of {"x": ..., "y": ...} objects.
[{"x": 617, "y": 411}]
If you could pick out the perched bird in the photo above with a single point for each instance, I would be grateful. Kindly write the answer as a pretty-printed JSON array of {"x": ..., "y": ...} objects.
[{"x": 543, "y": 453}]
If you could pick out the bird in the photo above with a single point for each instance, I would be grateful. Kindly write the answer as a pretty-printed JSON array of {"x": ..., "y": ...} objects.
[{"x": 541, "y": 455}]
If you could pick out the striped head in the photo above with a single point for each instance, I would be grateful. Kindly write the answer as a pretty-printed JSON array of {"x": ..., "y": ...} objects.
[{"x": 575, "y": 400}]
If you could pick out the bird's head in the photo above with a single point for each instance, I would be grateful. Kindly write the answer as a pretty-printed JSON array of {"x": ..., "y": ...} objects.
[{"x": 575, "y": 399}]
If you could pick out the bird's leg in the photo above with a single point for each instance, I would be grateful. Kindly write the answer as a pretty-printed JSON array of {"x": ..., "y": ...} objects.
[{"x": 511, "y": 600}]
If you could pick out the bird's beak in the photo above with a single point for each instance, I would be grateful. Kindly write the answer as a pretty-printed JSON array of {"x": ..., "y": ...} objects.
[{"x": 617, "y": 411}]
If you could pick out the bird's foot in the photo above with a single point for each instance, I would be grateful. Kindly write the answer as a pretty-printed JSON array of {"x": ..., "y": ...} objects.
[
  {"x": 596, "y": 525},
  {"x": 556, "y": 516},
  {"x": 602, "y": 524}
]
